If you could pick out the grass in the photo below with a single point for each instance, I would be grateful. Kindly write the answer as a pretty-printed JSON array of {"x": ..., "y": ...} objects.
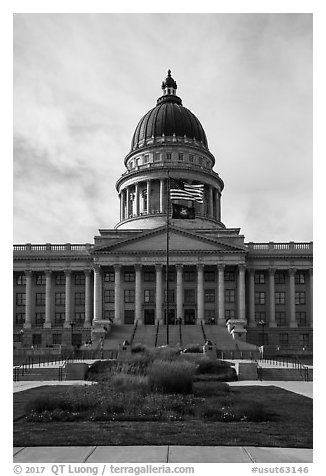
[{"x": 289, "y": 426}]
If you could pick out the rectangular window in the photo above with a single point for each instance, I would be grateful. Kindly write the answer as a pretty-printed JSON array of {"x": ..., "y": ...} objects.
[
  {"x": 304, "y": 340},
  {"x": 109, "y": 295},
  {"x": 180, "y": 156},
  {"x": 299, "y": 278},
  {"x": 209, "y": 315},
  {"x": 171, "y": 295},
  {"x": 20, "y": 299},
  {"x": 260, "y": 316},
  {"x": 229, "y": 314},
  {"x": 209, "y": 276},
  {"x": 37, "y": 339},
  {"x": 280, "y": 317},
  {"x": 259, "y": 278},
  {"x": 301, "y": 318},
  {"x": 209, "y": 295},
  {"x": 149, "y": 295},
  {"x": 129, "y": 295},
  {"x": 129, "y": 316},
  {"x": 40, "y": 279},
  {"x": 189, "y": 276},
  {"x": 60, "y": 279},
  {"x": 229, "y": 295},
  {"x": 229, "y": 276},
  {"x": 79, "y": 298},
  {"x": 20, "y": 318},
  {"x": 20, "y": 280},
  {"x": 146, "y": 159},
  {"x": 80, "y": 279},
  {"x": 79, "y": 317},
  {"x": 259, "y": 297},
  {"x": 129, "y": 277},
  {"x": 109, "y": 314},
  {"x": 40, "y": 299},
  {"x": 59, "y": 318},
  {"x": 60, "y": 299},
  {"x": 280, "y": 297},
  {"x": 109, "y": 277},
  {"x": 200, "y": 160},
  {"x": 191, "y": 158},
  {"x": 169, "y": 156},
  {"x": 300, "y": 297},
  {"x": 149, "y": 276},
  {"x": 57, "y": 339},
  {"x": 280, "y": 278},
  {"x": 284, "y": 339},
  {"x": 157, "y": 157},
  {"x": 189, "y": 296},
  {"x": 39, "y": 318}
]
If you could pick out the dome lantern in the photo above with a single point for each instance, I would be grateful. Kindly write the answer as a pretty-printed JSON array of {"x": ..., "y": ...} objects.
[{"x": 169, "y": 86}]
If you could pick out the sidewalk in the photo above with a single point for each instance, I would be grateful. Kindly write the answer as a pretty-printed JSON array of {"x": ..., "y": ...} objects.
[{"x": 161, "y": 454}]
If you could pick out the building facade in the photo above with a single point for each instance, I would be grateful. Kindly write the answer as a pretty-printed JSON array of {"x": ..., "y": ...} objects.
[{"x": 262, "y": 292}]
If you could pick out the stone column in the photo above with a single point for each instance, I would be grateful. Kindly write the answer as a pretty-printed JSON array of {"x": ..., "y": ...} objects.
[
  {"x": 241, "y": 292},
  {"x": 311, "y": 295},
  {"x": 252, "y": 320},
  {"x": 271, "y": 282},
  {"x": 217, "y": 201},
  {"x": 293, "y": 322},
  {"x": 161, "y": 194},
  {"x": 88, "y": 301},
  {"x": 68, "y": 299},
  {"x": 121, "y": 206},
  {"x": 148, "y": 196},
  {"x": 28, "y": 300},
  {"x": 136, "y": 211},
  {"x": 179, "y": 268},
  {"x": 221, "y": 311},
  {"x": 138, "y": 294},
  {"x": 117, "y": 294},
  {"x": 158, "y": 294},
  {"x": 127, "y": 202},
  {"x": 97, "y": 293},
  {"x": 48, "y": 299},
  {"x": 200, "y": 293},
  {"x": 210, "y": 202}
]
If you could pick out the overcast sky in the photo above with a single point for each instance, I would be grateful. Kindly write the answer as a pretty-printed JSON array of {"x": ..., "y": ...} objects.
[{"x": 83, "y": 81}]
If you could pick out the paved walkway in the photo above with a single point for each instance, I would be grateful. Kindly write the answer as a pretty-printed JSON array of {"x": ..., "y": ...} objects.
[{"x": 161, "y": 454}]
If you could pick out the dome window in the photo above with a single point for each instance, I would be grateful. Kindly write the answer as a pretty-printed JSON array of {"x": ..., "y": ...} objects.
[
  {"x": 146, "y": 159},
  {"x": 180, "y": 156},
  {"x": 168, "y": 156},
  {"x": 191, "y": 158},
  {"x": 157, "y": 157}
]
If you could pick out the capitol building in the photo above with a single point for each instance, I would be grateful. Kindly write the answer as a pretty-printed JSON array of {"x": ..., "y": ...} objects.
[{"x": 155, "y": 269}]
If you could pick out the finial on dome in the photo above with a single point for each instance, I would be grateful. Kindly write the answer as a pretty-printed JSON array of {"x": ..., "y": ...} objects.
[{"x": 169, "y": 85}]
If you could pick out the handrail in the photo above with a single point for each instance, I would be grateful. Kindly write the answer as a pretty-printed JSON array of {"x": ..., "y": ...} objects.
[
  {"x": 133, "y": 332},
  {"x": 156, "y": 335},
  {"x": 203, "y": 331}
]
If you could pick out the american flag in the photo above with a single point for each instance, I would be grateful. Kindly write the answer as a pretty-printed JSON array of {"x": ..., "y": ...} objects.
[{"x": 180, "y": 190}]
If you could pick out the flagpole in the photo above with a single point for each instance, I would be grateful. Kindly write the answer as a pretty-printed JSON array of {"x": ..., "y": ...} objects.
[{"x": 167, "y": 256}]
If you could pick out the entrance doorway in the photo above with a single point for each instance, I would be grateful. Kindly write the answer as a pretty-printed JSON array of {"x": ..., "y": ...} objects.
[
  {"x": 171, "y": 316},
  {"x": 149, "y": 317},
  {"x": 189, "y": 316}
]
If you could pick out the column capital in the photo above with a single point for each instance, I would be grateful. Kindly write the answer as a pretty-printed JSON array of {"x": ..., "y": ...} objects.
[
  {"x": 200, "y": 266},
  {"x": 28, "y": 272},
  {"x": 138, "y": 266},
  {"x": 251, "y": 271},
  {"x": 117, "y": 267},
  {"x": 48, "y": 272},
  {"x": 179, "y": 267},
  {"x": 159, "y": 267},
  {"x": 271, "y": 271},
  {"x": 292, "y": 271},
  {"x": 310, "y": 271},
  {"x": 221, "y": 267},
  {"x": 67, "y": 271},
  {"x": 87, "y": 271},
  {"x": 97, "y": 268},
  {"x": 242, "y": 267}
]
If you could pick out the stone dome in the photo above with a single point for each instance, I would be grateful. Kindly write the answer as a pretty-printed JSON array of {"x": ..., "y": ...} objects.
[{"x": 168, "y": 118}]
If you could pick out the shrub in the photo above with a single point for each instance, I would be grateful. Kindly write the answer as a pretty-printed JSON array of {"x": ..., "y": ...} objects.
[
  {"x": 193, "y": 349},
  {"x": 138, "y": 347},
  {"x": 165, "y": 353},
  {"x": 171, "y": 377},
  {"x": 130, "y": 383}
]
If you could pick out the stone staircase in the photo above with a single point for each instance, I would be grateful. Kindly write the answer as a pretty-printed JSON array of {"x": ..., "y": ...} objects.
[
  {"x": 223, "y": 340},
  {"x": 117, "y": 335}
]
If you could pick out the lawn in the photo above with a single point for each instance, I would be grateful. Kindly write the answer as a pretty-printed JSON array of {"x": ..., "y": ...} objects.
[{"x": 289, "y": 425}]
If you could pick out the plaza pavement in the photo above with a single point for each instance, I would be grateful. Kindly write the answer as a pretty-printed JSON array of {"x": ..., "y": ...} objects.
[{"x": 165, "y": 453}]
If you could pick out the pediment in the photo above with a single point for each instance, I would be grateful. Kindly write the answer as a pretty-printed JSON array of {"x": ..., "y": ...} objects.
[{"x": 179, "y": 240}]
